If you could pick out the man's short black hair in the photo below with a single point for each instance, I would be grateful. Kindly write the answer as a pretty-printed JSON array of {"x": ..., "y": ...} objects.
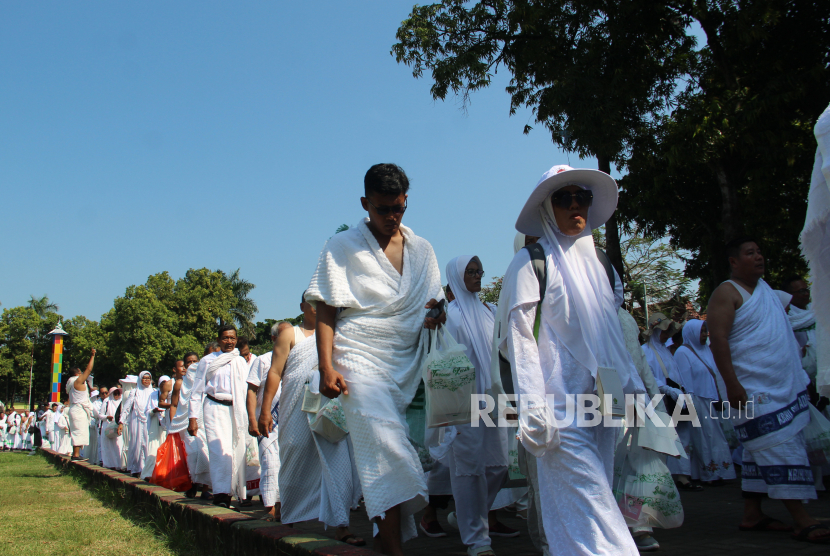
[
  {"x": 241, "y": 342},
  {"x": 302, "y": 299},
  {"x": 385, "y": 179},
  {"x": 188, "y": 354},
  {"x": 211, "y": 347},
  {"x": 787, "y": 283},
  {"x": 74, "y": 371},
  {"x": 224, "y": 328},
  {"x": 733, "y": 248}
]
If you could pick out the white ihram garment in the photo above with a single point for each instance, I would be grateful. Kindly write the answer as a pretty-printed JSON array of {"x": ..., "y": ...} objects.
[
  {"x": 696, "y": 365},
  {"x": 317, "y": 478},
  {"x": 767, "y": 363},
  {"x": 579, "y": 331},
  {"x": 379, "y": 350},
  {"x": 198, "y": 459},
  {"x": 815, "y": 243},
  {"x": 476, "y": 456},
  {"x": 226, "y": 427}
]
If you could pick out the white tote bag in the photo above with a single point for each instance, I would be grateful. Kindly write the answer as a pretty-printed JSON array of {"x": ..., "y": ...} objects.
[{"x": 449, "y": 380}]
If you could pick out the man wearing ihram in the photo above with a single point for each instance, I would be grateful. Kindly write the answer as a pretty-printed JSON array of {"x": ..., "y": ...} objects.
[{"x": 580, "y": 348}]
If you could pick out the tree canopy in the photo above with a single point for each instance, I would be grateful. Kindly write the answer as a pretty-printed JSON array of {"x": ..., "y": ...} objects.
[{"x": 715, "y": 138}]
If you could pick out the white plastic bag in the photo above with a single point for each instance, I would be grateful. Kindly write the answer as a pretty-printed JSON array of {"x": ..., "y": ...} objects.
[
  {"x": 330, "y": 422},
  {"x": 643, "y": 486},
  {"x": 111, "y": 430},
  {"x": 817, "y": 438},
  {"x": 449, "y": 380}
]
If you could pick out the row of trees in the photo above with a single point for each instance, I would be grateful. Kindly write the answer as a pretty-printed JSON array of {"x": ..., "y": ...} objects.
[
  {"x": 149, "y": 327},
  {"x": 715, "y": 139}
]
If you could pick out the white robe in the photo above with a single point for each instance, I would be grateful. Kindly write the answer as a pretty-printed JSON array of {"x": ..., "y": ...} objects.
[
  {"x": 815, "y": 243},
  {"x": 110, "y": 448},
  {"x": 156, "y": 435},
  {"x": 268, "y": 447},
  {"x": 379, "y": 349},
  {"x": 575, "y": 464},
  {"x": 134, "y": 419}
]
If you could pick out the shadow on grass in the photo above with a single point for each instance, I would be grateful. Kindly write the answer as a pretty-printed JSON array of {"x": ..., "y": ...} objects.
[{"x": 147, "y": 515}]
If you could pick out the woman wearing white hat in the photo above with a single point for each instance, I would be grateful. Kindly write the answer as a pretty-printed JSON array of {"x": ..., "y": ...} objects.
[{"x": 579, "y": 336}]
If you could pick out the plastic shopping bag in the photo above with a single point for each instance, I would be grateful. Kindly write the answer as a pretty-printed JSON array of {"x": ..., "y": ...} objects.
[
  {"x": 643, "y": 486},
  {"x": 111, "y": 430},
  {"x": 817, "y": 437},
  {"x": 416, "y": 422},
  {"x": 171, "y": 465},
  {"x": 330, "y": 422},
  {"x": 450, "y": 380}
]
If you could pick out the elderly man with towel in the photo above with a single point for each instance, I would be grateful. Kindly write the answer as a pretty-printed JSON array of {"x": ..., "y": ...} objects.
[{"x": 580, "y": 344}]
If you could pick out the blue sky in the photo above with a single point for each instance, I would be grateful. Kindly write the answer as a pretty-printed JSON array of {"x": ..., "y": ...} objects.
[{"x": 153, "y": 136}]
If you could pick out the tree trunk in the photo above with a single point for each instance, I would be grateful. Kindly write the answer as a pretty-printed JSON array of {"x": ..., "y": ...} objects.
[
  {"x": 730, "y": 218},
  {"x": 612, "y": 233}
]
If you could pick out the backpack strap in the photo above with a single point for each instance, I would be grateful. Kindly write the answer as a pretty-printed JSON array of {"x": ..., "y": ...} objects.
[
  {"x": 539, "y": 263},
  {"x": 609, "y": 268}
]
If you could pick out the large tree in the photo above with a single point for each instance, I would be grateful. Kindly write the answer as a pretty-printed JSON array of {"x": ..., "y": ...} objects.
[
  {"x": 734, "y": 158},
  {"x": 590, "y": 71}
]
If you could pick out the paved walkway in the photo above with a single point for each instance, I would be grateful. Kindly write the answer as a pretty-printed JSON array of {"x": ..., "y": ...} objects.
[{"x": 710, "y": 529}]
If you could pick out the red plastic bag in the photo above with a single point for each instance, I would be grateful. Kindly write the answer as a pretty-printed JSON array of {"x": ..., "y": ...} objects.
[{"x": 171, "y": 465}]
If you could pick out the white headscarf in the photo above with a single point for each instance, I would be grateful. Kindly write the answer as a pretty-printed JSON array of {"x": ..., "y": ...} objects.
[
  {"x": 142, "y": 395},
  {"x": 592, "y": 332},
  {"x": 476, "y": 319},
  {"x": 701, "y": 353}
]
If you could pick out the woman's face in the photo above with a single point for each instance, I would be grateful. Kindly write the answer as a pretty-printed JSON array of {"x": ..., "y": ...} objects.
[
  {"x": 146, "y": 380},
  {"x": 704, "y": 334},
  {"x": 472, "y": 275},
  {"x": 571, "y": 220}
]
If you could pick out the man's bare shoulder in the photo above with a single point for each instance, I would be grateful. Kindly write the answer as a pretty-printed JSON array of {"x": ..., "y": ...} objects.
[{"x": 725, "y": 295}]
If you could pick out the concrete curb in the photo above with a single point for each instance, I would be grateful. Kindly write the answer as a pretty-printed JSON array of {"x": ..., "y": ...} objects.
[{"x": 215, "y": 528}]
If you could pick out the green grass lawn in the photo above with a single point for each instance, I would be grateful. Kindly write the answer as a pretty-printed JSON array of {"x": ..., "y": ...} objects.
[{"x": 43, "y": 511}]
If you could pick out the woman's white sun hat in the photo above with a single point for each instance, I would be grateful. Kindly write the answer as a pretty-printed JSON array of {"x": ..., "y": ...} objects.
[{"x": 599, "y": 183}]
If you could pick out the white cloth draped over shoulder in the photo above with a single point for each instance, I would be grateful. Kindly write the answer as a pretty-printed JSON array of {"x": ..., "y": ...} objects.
[
  {"x": 579, "y": 315},
  {"x": 815, "y": 243},
  {"x": 380, "y": 350},
  {"x": 767, "y": 363},
  {"x": 239, "y": 429}
]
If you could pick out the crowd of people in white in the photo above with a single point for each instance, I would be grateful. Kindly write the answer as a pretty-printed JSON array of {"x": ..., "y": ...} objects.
[{"x": 351, "y": 405}]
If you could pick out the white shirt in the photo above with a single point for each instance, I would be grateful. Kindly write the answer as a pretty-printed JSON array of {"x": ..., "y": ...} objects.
[{"x": 258, "y": 375}]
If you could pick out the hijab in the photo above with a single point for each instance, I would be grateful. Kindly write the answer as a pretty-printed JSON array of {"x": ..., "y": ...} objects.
[
  {"x": 476, "y": 320},
  {"x": 700, "y": 353},
  {"x": 141, "y": 398},
  {"x": 591, "y": 331}
]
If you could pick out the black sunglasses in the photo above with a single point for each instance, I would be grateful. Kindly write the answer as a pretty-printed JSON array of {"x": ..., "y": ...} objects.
[
  {"x": 564, "y": 199},
  {"x": 383, "y": 211}
]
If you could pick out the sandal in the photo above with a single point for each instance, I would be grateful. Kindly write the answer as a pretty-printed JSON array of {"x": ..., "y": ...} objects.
[
  {"x": 764, "y": 525},
  {"x": 691, "y": 487},
  {"x": 352, "y": 540},
  {"x": 804, "y": 534}
]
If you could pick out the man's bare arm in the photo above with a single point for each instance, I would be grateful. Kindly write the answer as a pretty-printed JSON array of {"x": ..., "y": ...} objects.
[
  {"x": 721, "y": 315},
  {"x": 250, "y": 404},
  {"x": 332, "y": 383},
  {"x": 174, "y": 399},
  {"x": 81, "y": 380},
  {"x": 280, "y": 355}
]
